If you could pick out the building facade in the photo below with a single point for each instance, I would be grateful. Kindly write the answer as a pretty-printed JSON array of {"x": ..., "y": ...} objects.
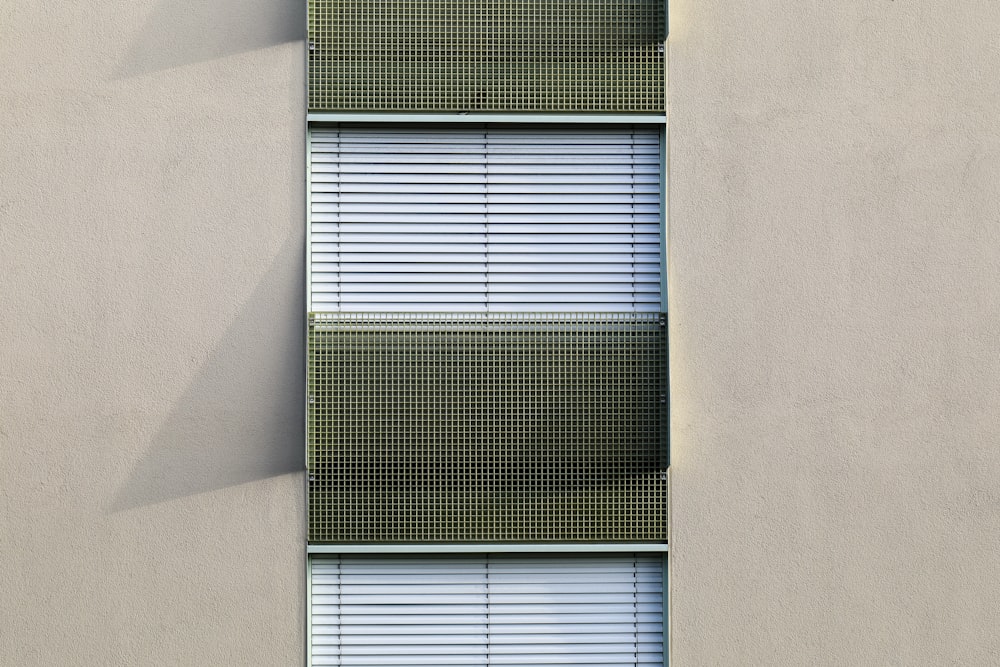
[{"x": 831, "y": 273}]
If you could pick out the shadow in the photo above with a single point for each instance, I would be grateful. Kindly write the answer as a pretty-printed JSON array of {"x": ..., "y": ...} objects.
[
  {"x": 241, "y": 419},
  {"x": 182, "y": 32}
]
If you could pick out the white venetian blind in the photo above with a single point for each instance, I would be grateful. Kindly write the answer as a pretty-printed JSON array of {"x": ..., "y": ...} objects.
[
  {"x": 595, "y": 610},
  {"x": 485, "y": 218}
]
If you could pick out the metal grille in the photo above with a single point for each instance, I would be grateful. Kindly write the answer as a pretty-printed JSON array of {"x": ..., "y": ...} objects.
[
  {"x": 490, "y": 55},
  {"x": 487, "y": 428}
]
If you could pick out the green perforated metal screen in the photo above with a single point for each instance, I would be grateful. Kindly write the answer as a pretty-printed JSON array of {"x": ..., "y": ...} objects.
[
  {"x": 489, "y": 55},
  {"x": 487, "y": 428}
]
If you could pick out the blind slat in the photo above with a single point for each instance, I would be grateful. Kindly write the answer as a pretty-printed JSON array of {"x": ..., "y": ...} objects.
[
  {"x": 590, "y": 610},
  {"x": 520, "y": 218}
]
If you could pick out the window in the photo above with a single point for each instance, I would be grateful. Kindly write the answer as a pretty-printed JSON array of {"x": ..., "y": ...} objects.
[
  {"x": 480, "y": 218},
  {"x": 498, "y": 609},
  {"x": 492, "y": 363}
]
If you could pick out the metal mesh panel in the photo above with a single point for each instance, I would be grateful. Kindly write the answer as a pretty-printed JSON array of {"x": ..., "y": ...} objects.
[
  {"x": 490, "y": 55},
  {"x": 487, "y": 428}
]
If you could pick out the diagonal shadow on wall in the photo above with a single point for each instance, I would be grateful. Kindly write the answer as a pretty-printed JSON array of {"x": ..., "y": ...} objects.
[
  {"x": 241, "y": 418},
  {"x": 182, "y": 32}
]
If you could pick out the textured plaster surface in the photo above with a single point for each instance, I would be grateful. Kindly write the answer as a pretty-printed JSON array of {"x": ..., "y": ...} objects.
[
  {"x": 835, "y": 332},
  {"x": 151, "y": 295},
  {"x": 835, "y": 257}
]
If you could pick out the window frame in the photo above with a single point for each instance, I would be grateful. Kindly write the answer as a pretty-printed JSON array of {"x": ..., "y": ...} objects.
[{"x": 485, "y": 550}]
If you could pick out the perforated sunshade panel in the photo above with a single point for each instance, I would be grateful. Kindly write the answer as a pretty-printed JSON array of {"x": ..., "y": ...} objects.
[
  {"x": 487, "y": 428},
  {"x": 489, "y": 55}
]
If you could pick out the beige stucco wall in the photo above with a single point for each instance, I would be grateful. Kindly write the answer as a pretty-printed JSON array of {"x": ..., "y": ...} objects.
[
  {"x": 151, "y": 296},
  {"x": 835, "y": 332},
  {"x": 835, "y": 263}
]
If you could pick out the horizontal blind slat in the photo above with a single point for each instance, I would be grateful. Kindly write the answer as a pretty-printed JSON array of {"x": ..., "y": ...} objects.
[
  {"x": 472, "y": 624},
  {"x": 524, "y": 214}
]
